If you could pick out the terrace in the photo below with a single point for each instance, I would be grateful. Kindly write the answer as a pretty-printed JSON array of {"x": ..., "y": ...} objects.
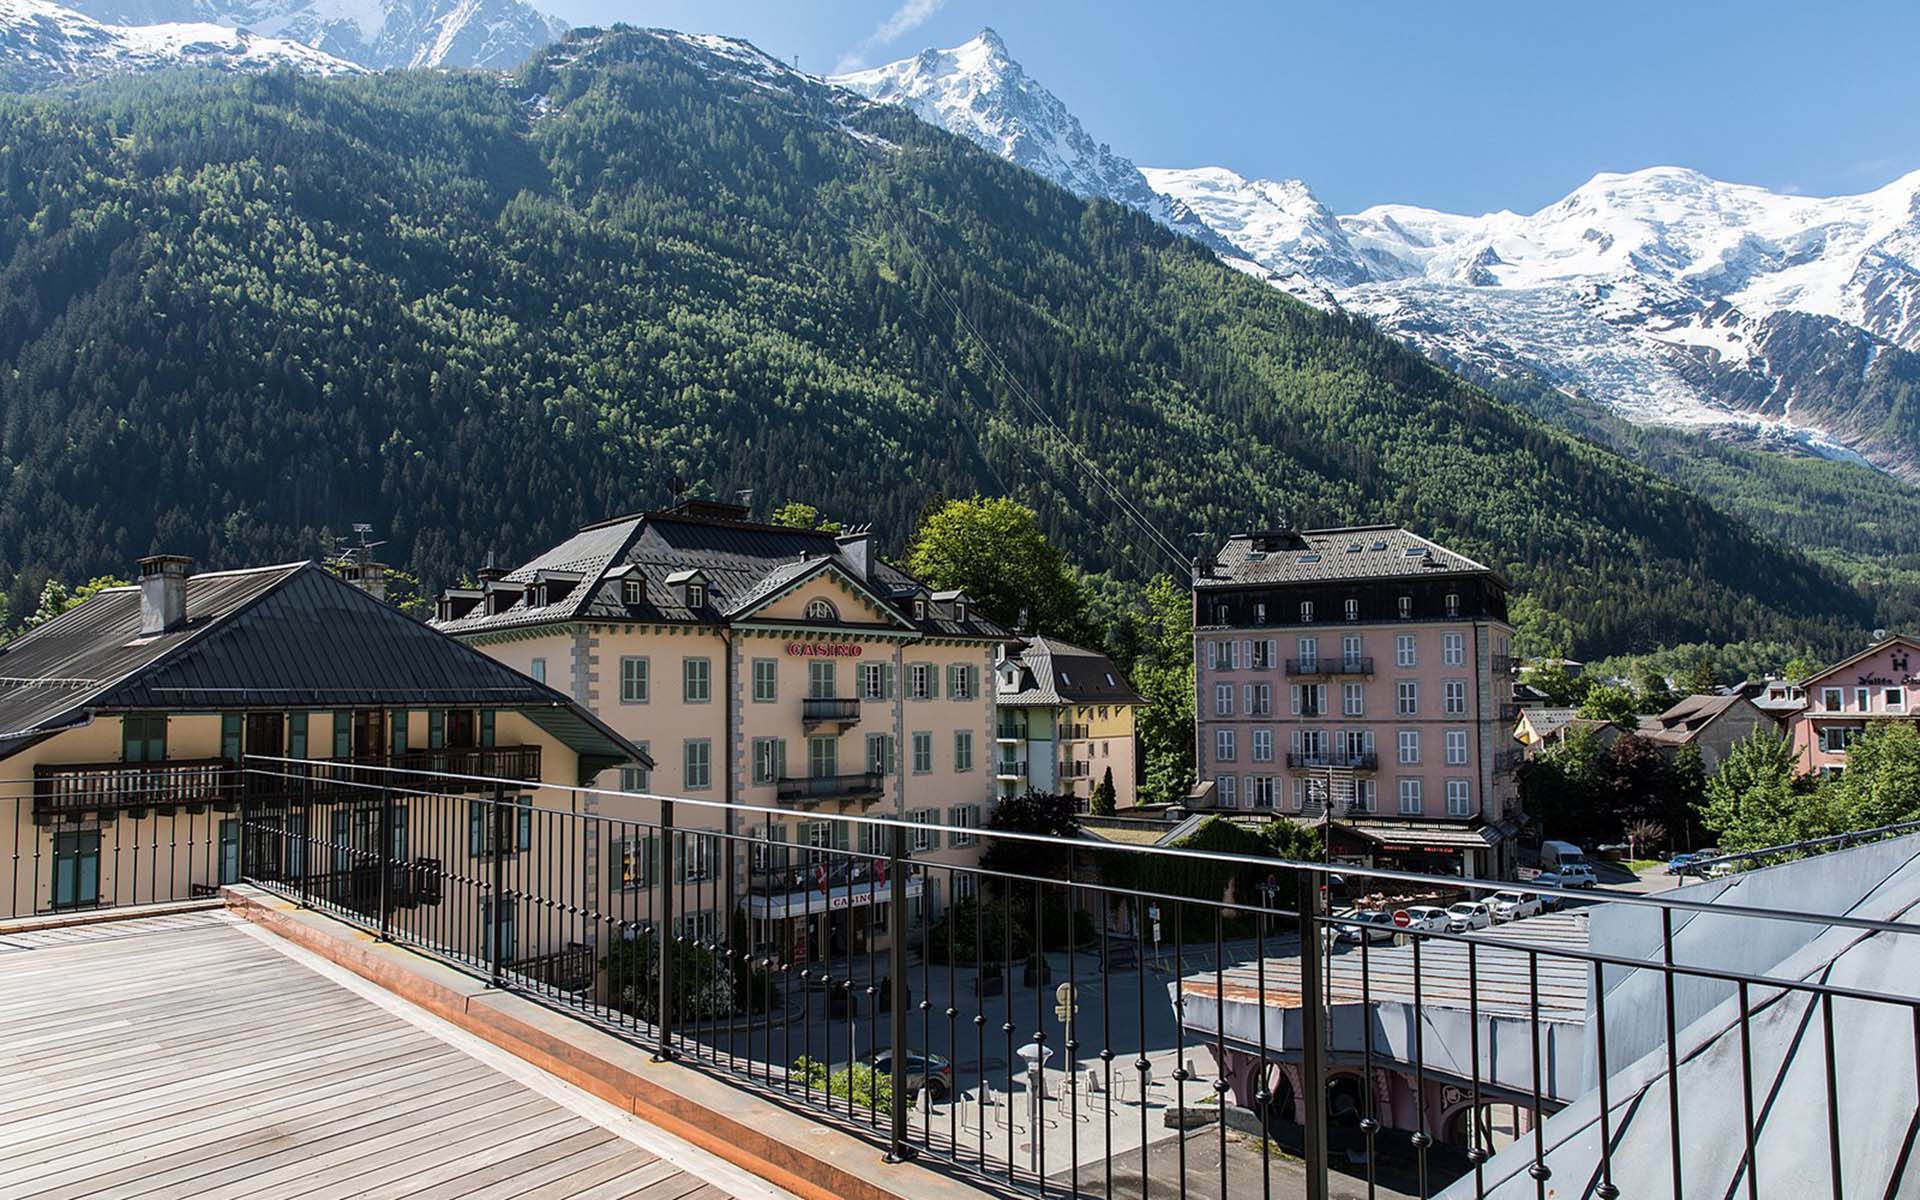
[{"x": 1181, "y": 1058}]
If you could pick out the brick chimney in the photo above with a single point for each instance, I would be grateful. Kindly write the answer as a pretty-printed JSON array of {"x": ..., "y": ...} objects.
[{"x": 163, "y": 592}]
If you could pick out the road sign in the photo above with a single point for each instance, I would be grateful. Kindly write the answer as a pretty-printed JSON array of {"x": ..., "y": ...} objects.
[{"x": 1401, "y": 919}]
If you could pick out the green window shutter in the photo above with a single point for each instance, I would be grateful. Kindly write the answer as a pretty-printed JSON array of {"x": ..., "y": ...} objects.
[
  {"x": 342, "y": 734},
  {"x": 780, "y": 758},
  {"x": 476, "y": 828},
  {"x": 486, "y": 727},
  {"x": 778, "y": 835},
  {"x": 397, "y": 740},
  {"x": 296, "y": 735},
  {"x": 400, "y": 815},
  {"x": 973, "y": 681},
  {"x": 839, "y": 835},
  {"x": 652, "y": 859},
  {"x": 526, "y": 821},
  {"x": 893, "y": 681},
  {"x": 436, "y": 728},
  {"x": 230, "y": 748}
]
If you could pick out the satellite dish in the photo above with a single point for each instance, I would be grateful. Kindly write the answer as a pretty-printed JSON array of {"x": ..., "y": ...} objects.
[{"x": 1879, "y": 635}]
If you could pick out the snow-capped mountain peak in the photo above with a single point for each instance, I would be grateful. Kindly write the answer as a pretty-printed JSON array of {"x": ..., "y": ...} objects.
[
  {"x": 977, "y": 90},
  {"x": 44, "y": 44}
]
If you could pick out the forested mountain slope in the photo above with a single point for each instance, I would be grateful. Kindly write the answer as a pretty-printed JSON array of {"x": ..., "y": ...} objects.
[{"x": 237, "y": 312}]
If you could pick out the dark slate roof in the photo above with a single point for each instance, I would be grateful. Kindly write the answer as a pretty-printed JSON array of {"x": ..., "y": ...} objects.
[
  {"x": 1335, "y": 555},
  {"x": 292, "y": 636},
  {"x": 744, "y": 562},
  {"x": 1053, "y": 672},
  {"x": 1685, "y": 720}
]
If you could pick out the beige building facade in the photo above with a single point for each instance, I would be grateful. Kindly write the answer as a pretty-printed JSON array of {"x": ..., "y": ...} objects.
[{"x": 784, "y": 671}]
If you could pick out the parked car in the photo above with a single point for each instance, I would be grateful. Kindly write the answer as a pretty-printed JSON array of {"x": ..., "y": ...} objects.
[
  {"x": 1680, "y": 862},
  {"x": 1468, "y": 915},
  {"x": 1572, "y": 875},
  {"x": 1424, "y": 918},
  {"x": 929, "y": 1071},
  {"x": 1365, "y": 927},
  {"x": 1511, "y": 906}
]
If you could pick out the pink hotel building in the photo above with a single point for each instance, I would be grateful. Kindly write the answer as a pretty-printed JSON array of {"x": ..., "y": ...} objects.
[
  {"x": 1360, "y": 676},
  {"x": 1881, "y": 683}
]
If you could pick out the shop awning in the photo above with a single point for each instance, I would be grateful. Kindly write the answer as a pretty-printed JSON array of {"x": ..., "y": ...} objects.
[{"x": 846, "y": 896}]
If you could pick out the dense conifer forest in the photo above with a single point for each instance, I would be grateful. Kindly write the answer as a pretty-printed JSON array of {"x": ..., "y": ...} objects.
[{"x": 238, "y": 314}]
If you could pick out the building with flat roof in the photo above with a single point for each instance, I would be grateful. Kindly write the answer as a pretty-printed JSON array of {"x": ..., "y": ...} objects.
[
  {"x": 1360, "y": 673},
  {"x": 763, "y": 665},
  {"x": 1067, "y": 719}
]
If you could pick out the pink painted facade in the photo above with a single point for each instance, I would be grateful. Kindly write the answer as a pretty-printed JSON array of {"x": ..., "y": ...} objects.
[{"x": 1881, "y": 683}]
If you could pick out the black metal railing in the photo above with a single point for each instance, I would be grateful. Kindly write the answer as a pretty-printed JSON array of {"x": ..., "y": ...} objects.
[
  {"x": 900, "y": 997},
  {"x": 1330, "y": 666},
  {"x": 816, "y": 710},
  {"x": 815, "y": 789},
  {"x": 1322, "y": 760}
]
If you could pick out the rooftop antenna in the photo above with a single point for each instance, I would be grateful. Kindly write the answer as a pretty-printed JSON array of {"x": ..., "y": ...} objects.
[
  {"x": 675, "y": 486},
  {"x": 362, "y": 550},
  {"x": 745, "y": 497}
]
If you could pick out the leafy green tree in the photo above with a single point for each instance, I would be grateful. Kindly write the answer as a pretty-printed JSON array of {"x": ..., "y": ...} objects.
[
  {"x": 1039, "y": 813},
  {"x": 1611, "y": 702},
  {"x": 795, "y": 514},
  {"x": 858, "y": 1083},
  {"x": 1163, "y": 676},
  {"x": 995, "y": 551},
  {"x": 1560, "y": 787},
  {"x": 1101, "y": 803},
  {"x": 1756, "y": 798},
  {"x": 1881, "y": 785},
  {"x": 1704, "y": 678},
  {"x": 1651, "y": 691},
  {"x": 1538, "y": 633},
  {"x": 56, "y": 597},
  {"x": 1561, "y": 687}
]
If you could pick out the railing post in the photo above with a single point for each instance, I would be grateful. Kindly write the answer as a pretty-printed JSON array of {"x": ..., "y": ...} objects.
[
  {"x": 663, "y": 1024},
  {"x": 243, "y": 864},
  {"x": 495, "y": 825},
  {"x": 897, "y": 1148},
  {"x": 1313, "y": 1038},
  {"x": 384, "y": 856}
]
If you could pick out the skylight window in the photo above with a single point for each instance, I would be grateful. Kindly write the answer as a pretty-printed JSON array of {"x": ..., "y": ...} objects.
[
  {"x": 1415, "y": 551},
  {"x": 1380, "y": 545},
  {"x": 1309, "y": 558},
  {"x": 1353, "y": 547}
]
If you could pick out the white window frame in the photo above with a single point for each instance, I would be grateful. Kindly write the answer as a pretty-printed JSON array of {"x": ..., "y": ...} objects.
[
  {"x": 1833, "y": 699},
  {"x": 920, "y": 681},
  {"x": 1406, "y": 650},
  {"x": 1412, "y": 802},
  {"x": 1306, "y": 612},
  {"x": 1406, "y": 744},
  {"x": 1223, "y": 745},
  {"x": 1222, "y": 699},
  {"x": 1456, "y": 747},
  {"x": 1453, "y": 649},
  {"x": 1353, "y": 609},
  {"x": 538, "y": 669},
  {"x": 1459, "y": 798},
  {"x": 1353, "y": 699},
  {"x": 1225, "y": 790},
  {"x": 1262, "y": 745},
  {"x": 1406, "y": 697},
  {"x": 1454, "y": 697},
  {"x": 873, "y": 681}
]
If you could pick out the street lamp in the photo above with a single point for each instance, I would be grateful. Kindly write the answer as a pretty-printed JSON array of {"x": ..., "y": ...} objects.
[{"x": 1035, "y": 1056}]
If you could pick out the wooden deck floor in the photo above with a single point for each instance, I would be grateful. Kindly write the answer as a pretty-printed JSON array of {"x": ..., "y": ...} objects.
[{"x": 187, "y": 1058}]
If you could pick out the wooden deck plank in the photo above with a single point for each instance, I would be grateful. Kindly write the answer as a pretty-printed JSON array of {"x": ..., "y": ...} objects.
[{"x": 189, "y": 1059}]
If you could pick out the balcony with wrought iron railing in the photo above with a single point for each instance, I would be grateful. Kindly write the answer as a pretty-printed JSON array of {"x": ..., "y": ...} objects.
[
  {"x": 1309, "y": 667},
  {"x": 817, "y": 712},
  {"x": 1313, "y": 1028},
  {"x": 862, "y": 787},
  {"x": 75, "y": 789},
  {"x": 1331, "y": 760}
]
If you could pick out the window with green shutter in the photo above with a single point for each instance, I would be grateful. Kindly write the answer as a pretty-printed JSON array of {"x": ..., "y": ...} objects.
[
  {"x": 296, "y": 735},
  {"x": 230, "y": 740},
  {"x": 143, "y": 737},
  {"x": 486, "y": 727},
  {"x": 342, "y": 734},
  {"x": 397, "y": 739},
  {"x": 436, "y": 728}
]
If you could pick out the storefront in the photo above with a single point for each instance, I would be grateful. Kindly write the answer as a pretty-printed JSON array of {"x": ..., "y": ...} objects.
[
  {"x": 824, "y": 918},
  {"x": 1457, "y": 848}
]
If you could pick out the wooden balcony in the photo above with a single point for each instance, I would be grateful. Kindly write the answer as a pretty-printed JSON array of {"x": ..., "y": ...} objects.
[{"x": 99, "y": 789}]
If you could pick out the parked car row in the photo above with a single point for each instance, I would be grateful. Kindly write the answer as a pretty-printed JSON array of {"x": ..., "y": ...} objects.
[{"x": 1464, "y": 916}]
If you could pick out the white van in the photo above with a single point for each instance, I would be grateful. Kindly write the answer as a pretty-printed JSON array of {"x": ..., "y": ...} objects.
[{"x": 1555, "y": 855}]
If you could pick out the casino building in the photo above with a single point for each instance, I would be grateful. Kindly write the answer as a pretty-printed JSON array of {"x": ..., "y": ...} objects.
[{"x": 784, "y": 668}]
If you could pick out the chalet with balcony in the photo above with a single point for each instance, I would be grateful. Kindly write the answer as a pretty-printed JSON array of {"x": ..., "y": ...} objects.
[
  {"x": 139, "y": 725},
  {"x": 1067, "y": 719},
  {"x": 763, "y": 665},
  {"x": 1880, "y": 683}
]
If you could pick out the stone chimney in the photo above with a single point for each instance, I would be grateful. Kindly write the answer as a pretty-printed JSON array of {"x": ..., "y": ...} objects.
[
  {"x": 857, "y": 548},
  {"x": 367, "y": 575},
  {"x": 163, "y": 592}
]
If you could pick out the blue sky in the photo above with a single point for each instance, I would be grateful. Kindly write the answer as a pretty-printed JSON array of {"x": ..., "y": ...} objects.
[{"x": 1467, "y": 106}]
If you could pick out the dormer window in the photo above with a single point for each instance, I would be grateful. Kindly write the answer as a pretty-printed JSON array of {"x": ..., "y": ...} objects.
[
  {"x": 1406, "y": 608},
  {"x": 1353, "y": 608},
  {"x": 444, "y": 610},
  {"x": 533, "y": 596},
  {"x": 821, "y": 610},
  {"x": 1453, "y": 604},
  {"x": 960, "y": 610},
  {"x": 632, "y": 591},
  {"x": 696, "y": 595},
  {"x": 1259, "y": 613},
  {"x": 919, "y": 610},
  {"x": 1306, "y": 612}
]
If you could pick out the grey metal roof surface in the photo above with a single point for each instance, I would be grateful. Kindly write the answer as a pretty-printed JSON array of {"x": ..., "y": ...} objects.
[
  {"x": 743, "y": 562},
  {"x": 1056, "y": 673},
  {"x": 274, "y": 637},
  {"x": 1334, "y": 555}
]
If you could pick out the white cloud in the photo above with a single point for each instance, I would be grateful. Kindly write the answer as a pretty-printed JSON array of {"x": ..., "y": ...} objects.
[{"x": 904, "y": 20}]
